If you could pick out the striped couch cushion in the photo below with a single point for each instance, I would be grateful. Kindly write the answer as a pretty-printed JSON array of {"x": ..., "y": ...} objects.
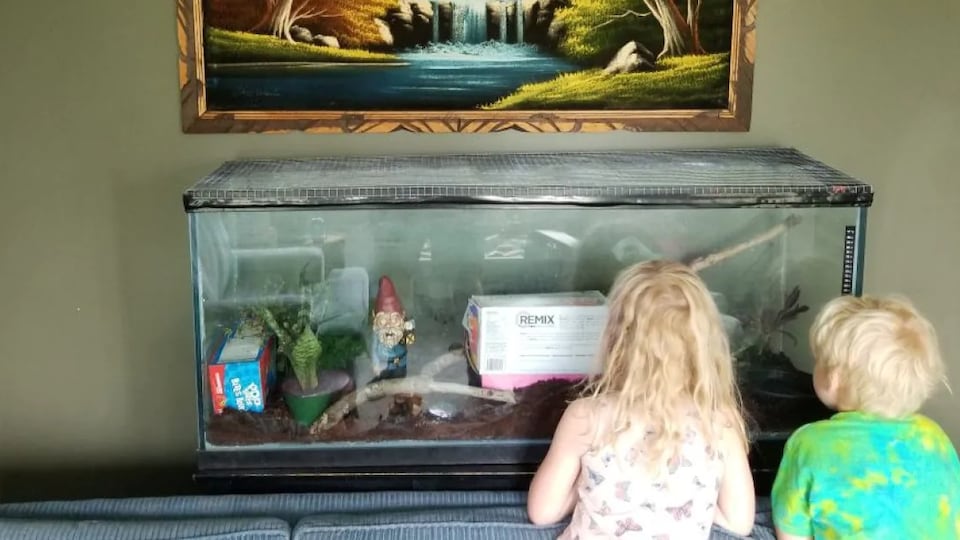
[
  {"x": 477, "y": 515},
  {"x": 288, "y": 506},
  {"x": 486, "y": 523},
  {"x": 179, "y": 529}
]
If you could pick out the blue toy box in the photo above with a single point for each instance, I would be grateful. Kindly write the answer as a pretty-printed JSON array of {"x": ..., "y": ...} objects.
[{"x": 241, "y": 370}]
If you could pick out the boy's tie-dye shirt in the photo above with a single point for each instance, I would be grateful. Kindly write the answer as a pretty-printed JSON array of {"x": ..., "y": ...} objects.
[{"x": 861, "y": 476}]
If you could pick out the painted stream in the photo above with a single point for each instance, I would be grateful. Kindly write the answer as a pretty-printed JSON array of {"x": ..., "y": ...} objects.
[{"x": 438, "y": 77}]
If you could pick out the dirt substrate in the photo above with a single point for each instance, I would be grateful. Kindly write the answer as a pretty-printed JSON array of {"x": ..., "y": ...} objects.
[{"x": 534, "y": 416}]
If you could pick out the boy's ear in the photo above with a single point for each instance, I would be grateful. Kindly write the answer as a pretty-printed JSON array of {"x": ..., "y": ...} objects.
[
  {"x": 833, "y": 381},
  {"x": 827, "y": 385},
  {"x": 840, "y": 395}
]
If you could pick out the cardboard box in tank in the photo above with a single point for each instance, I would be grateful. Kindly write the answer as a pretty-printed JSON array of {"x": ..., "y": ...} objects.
[
  {"x": 513, "y": 341},
  {"x": 241, "y": 370}
]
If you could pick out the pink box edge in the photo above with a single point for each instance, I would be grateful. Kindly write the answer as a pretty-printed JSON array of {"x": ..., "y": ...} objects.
[{"x": 509, "y": 381}]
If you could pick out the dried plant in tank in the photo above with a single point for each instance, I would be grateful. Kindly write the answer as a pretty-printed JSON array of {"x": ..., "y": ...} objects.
[
  {"x": 770, "y": 324},
  {"x": 765, "y": 368}
]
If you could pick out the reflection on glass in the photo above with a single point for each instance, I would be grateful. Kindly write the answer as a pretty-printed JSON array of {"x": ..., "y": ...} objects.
[{"x": 343, "y": 326}]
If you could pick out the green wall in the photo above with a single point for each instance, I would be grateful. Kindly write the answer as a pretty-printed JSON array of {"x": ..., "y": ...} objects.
[{"x": 95, "y": 327}]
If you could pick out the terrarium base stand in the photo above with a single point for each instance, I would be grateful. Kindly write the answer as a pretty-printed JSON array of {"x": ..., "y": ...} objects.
[{"x": 421, "y": 384}]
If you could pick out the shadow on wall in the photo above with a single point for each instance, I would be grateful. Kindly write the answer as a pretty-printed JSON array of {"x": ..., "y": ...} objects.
[{"x": 156, "y": 360}]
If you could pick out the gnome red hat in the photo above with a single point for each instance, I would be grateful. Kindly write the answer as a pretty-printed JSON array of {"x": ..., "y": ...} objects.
[{"x": 387, "y": 299}]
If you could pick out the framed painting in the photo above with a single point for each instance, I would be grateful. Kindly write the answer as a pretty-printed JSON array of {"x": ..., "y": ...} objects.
[{"x": 439, "y": 66}]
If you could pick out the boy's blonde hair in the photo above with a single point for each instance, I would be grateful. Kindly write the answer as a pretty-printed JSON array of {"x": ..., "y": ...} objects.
[
  {"x": 884, "y": 353},
  {"x": 665, "y": 353}
]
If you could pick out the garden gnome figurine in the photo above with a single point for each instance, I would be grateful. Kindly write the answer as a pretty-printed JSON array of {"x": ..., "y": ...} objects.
[{"x": 391, "y": 333}]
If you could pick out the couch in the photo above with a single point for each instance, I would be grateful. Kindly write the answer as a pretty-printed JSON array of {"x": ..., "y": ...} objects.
[{"x": 467, "y": 515}]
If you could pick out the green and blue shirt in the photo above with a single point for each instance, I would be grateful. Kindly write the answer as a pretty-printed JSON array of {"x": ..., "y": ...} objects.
[{"x": 862, "y": 476}]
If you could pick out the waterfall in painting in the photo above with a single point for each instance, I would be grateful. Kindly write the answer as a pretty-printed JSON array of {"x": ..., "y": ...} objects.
[{"x": 469, "y": 21}]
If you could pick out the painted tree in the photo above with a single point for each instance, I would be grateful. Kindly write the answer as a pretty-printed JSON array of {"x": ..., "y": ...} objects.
[
  {"x": 357, "y": 27},
  {"x": 693, "y": 21},
  {"x": 283, "y": 14},
  {"x": 681, "y": 35},
  {"x": 351, "y": 22},
  {"x": 681, "y": 31}
]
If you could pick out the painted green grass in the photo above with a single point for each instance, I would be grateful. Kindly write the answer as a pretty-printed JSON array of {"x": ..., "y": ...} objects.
[
  {"x": 682, "y": 82},
  {"x": 591, "y": 45},
  {"x": 224, "y": 46}
]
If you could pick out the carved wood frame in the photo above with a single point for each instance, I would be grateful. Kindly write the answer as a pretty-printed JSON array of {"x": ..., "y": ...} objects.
[{"x": 196, "y": 118}]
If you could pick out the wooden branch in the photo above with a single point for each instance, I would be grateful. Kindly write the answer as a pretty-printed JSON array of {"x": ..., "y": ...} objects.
[
  {"x": 701, "y": 263},
  {"x": 421, "y": 384},
  {"x": 440, "y": 363}
]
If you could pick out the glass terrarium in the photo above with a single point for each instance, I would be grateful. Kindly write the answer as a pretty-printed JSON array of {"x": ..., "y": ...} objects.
[{"x": 422, "y": 321}]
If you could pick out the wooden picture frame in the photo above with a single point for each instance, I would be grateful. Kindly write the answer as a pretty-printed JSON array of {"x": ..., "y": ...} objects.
[{"x": 200, "y": 113}]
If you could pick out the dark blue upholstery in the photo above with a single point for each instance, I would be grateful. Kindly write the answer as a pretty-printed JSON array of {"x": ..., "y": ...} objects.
[
  {"x": 483, "y": 523},
  {"x": 179, "y": 529},
  {"x": 468, "y": 515}
]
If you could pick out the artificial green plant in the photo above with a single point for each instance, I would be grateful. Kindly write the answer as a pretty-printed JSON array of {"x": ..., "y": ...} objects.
[{"x": 296, "y": 339}]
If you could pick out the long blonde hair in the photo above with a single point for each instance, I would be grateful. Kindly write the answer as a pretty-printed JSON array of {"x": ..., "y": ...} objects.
[{"x": 665, "y": 354}]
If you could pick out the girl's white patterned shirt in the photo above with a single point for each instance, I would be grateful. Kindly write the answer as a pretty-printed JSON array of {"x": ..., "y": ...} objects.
[{"x": 618, "y": 497}]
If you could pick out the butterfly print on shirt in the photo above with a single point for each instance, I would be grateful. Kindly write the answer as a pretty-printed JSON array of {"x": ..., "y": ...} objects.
[
  {"x": 680, "y": 512},
  {"x": 595, "y": 478},
  {"x": 604, "y": 509},
  {"x": 627, "y": 525},
  {"x": 677, "y": 461},
  {"x": 622, "y": 491}
]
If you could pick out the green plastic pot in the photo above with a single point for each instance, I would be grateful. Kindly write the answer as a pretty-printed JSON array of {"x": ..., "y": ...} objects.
[{"x": 307, "y": 406}]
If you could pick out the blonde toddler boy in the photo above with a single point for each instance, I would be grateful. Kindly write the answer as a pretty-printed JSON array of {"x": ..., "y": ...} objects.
[{"x": 876, "y": 469}]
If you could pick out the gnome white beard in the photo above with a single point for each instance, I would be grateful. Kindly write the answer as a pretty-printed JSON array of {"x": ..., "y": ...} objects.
[{"x": 389, "y": 328}]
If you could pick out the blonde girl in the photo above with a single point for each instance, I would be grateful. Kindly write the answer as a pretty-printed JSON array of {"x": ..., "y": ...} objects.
[{"x": 656, "y": 447}]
